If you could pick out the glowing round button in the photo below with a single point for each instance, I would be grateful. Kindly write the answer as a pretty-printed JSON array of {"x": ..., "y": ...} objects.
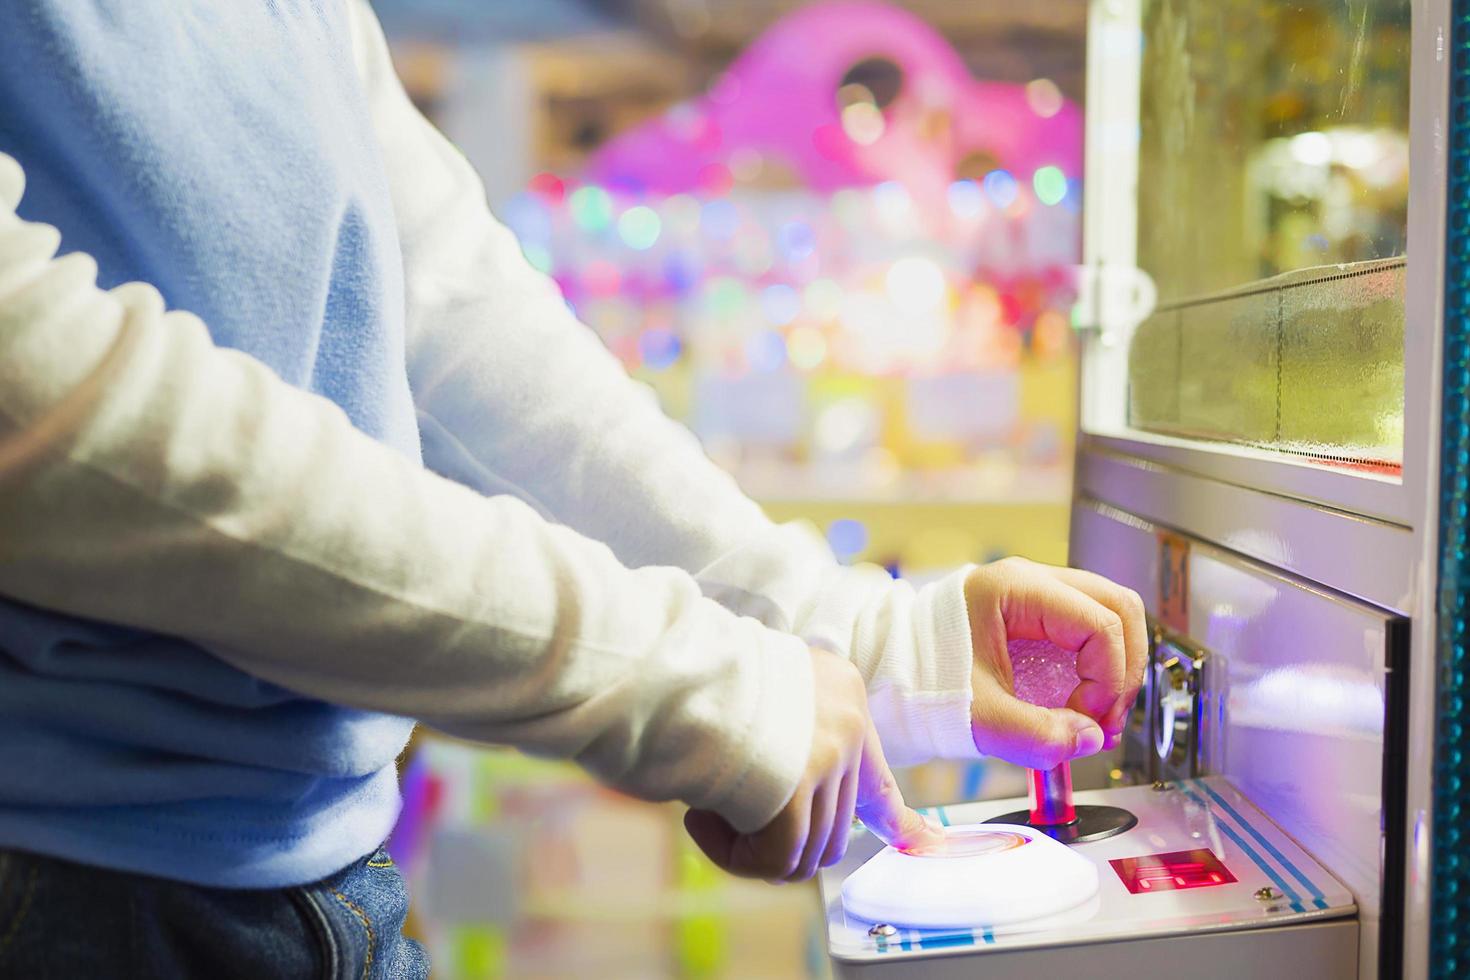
[
  {"x": 986, "y": 875},
  {"x": 969, "y": 842}
]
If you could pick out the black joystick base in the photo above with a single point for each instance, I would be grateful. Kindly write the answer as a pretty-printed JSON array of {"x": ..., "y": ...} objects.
[{"x": 1092, "y": 823}]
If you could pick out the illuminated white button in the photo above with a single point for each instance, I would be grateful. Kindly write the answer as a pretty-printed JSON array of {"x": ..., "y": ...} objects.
[{"x": 986, "y": 875}]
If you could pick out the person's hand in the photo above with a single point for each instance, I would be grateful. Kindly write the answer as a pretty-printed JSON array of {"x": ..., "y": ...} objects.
[
  {"x": 845, "y": 774},
  {"x": 1104, "y": 623}
]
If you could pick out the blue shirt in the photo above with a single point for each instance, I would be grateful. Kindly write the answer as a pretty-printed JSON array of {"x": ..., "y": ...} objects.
[{"x": 221, "y": 151}]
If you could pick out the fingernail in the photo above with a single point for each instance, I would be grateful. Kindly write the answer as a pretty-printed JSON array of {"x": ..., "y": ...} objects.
[{"x": 1089, "y": 740}]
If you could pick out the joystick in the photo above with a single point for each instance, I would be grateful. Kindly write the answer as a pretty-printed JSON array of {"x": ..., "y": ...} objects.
[
  {"x": 1054, "y": 814},
  {"x": 1045, "y": 674}
]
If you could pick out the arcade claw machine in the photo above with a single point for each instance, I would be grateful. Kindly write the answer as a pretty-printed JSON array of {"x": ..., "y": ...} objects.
[{"x": 1273, "y": 452}]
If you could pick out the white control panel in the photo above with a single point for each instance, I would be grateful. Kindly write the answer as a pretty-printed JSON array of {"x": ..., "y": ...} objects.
[{"x": 1202, "y": 860}]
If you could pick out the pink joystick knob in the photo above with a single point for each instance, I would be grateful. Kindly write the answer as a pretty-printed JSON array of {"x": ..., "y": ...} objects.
[{"x": 1045, "y": 674}]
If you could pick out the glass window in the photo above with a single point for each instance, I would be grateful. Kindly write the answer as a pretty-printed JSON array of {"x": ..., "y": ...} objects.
[{"x": 1273, "y": 178}]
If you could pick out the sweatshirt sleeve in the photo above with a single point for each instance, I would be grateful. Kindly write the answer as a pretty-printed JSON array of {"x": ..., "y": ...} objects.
[
  {"x": 516, "y": 396},
  {"x": 151, "y": 479}
]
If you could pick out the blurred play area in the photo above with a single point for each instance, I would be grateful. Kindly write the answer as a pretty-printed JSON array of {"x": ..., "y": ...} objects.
[{"x": 839, "y": 241}]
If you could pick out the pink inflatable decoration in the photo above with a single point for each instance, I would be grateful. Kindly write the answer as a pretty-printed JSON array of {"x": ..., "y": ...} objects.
[{"x": 780, "y": 99}]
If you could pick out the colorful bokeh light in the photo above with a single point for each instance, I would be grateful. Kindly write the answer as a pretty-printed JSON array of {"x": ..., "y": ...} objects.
[
  {"x": 847, "y": 538},
  {"x": 780, "y": 303},
  {"x": 796, "y": 241},
  {"x": 529, "y": 217},
  {"x": 1001, "y": 187},
  {"x": 915, "y": 284},
  {"x": 863, "y": 123},
  {"x": 822, "y": 299},
  {"x": 766, "y": 351},
  {"x": 682, "y": 271},
  {"x": 807, "y": 348},
  {"x": 602, "y": 278},
  {"x": 966, "y": 199},
  {"x": 725, "y": 296},
  {"x": 548, "y": 186},
  {"x": 1050, "y": 185},
  {"x": 660, "y": 348},
  {"x": 591, "y": 208},
  {"x": 639, "y": 227},
  {"x": 1044, "y": 98},
  {"x": 719, "y": 220}
]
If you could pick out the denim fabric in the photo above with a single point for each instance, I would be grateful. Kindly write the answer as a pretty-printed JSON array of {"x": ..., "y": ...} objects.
[{"x": 65, "y": 920}]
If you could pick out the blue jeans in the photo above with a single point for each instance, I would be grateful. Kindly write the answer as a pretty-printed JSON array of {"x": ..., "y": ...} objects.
[{"x": 65, "y": 920}]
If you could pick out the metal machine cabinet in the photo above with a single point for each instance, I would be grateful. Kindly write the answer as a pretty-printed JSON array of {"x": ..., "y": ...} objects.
[{"x": 1264, "y": 321}]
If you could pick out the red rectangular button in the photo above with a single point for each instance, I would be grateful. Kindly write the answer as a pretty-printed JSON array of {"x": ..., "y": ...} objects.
[{"x": 1174, "y": 871}]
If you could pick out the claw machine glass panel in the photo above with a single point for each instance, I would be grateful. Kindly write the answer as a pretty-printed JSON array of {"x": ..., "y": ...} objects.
[{"x": 1246, "y": 238}]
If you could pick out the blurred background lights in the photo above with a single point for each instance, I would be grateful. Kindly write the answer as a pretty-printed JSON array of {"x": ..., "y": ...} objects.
[
  {"x": 639, "y": 227},
  {"x": 845, "y": 427},
  {"x": 822, "y": 299},
  {"x": 715, "y": 179},
  {"x": 850, "y": 207},
  {"x": 806, "y": 348},
  {"x": 753, "y": 254},
  {"x": 915, "y": 285},
  {"x": 863, "y": 123},
  {"x": 725, "y": 296},
  {"x": 892, "y": 199},
  {"x": 746, "y": 164},
  {"x": 681, "y": 214},
  {"x": 528, "y": 216},
  {"x": 1044, "y": 98},
  {"x": 1312, "y": 149},
  {"x": 780, "y": 303},
  {"x": 659, "y": 348},
  {"x": 847, "y": 538},
  {"x": 682, "y": 271},
  {"x": 766, "y": 351},
  {"x": 602, "y": 278},
  {"x": 1073, "y": 200},
  {"x": 966, "y": 199},
  {"x": 1050, "y": 185},
  {"x": 591, "y": 208},
  {"x": 1001, "y": 188},
  {"x": 1358, "y": 148},
  {"x": 719, "y": 220},
  {"x": 796, "y": 241},
  {"x": 549, "y": 186}
]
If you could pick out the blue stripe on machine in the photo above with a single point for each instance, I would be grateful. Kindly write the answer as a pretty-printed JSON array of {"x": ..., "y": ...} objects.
[
  {"x": 1276, "y": 879},
  {"x": 947, "y": 940},
  {"x": 1318, "y": 899}
]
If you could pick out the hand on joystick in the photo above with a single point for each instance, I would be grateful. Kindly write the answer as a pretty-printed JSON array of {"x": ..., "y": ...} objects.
[{"x": 1101, "y": 622}]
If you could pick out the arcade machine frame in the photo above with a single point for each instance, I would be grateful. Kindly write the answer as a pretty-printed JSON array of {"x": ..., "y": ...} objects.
[
  {"x": 1335, "y": 549},
  {"x": 1282, "y": 591}
]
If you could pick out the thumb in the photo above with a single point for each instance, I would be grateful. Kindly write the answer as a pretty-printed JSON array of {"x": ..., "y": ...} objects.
[
  {"x": 1028, "y": 735},
  {"x": 880, "y": 805}
]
